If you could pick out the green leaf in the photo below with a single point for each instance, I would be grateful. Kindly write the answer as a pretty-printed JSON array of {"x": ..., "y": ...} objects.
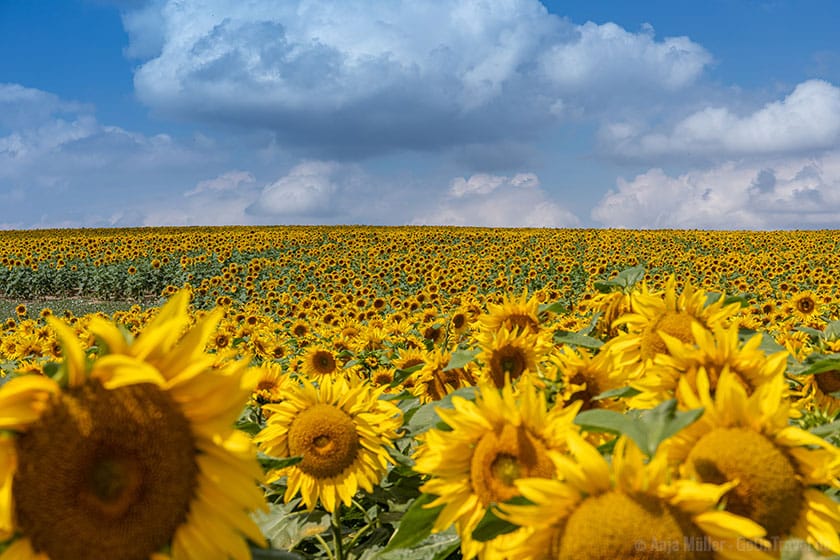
[
  {"x": 826, "y": 429},
  {"x": 402, "y": 374},
  {"x": 285, "y": 528},
  {"x": 437, "y": 546},
  {"x": 832, "y": 330},
  {"x": 605, "y": 286},
  {"x": 426, "y": 417},
  {"x": 610, "y": 421},
  {"x": 416, "y": 523},
  {"x": 576, "y": 339},
  {"x": 821, "y": 365},
  {"x": 618, "y": 393},
  {"x": 664, "y": 421},
  {"x": 491, "y": 526},
  {"x": 461, "y": 357},
  {"x": 556, "y": 307},
  {"x": 629, "y": 277}
]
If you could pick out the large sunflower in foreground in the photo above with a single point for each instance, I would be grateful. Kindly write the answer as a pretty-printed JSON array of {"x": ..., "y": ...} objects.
[
  {"x": 713, "y": 350},
  {"x": 626, "y": 509},
  {"x": 779, "y": 468},
  {"x": 342, "y": 431},
  {"x": 492, "y": 442},
  {"x": 132, "y": 454},
  {"x": 667, "y": 313}
]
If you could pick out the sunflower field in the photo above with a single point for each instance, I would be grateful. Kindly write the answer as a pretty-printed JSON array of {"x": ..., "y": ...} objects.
[{"x": 399, "y": 393}]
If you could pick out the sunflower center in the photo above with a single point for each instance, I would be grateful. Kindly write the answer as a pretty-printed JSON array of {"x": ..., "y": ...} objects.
[
  {"x": 768, "y": 491},
  {"x": 618, "y": 525},
  {"x": 523, "y": 323},
  {"x": 806, "y": 305},
  {"x": 674, "y": 323},
  {"x": 828, "y": 381},
  {"x": 325, "y": 436},
  {"x": 501, "y": 457},
  {"x": 122, "y": 473},
  {"x": 323, "y": 362},
  {"x": 507, "y": 360},
  {"x": 505, "y": 468}
]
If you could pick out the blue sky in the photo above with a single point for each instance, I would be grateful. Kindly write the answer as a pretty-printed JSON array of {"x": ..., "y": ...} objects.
[{"x": 721, "y": 114}]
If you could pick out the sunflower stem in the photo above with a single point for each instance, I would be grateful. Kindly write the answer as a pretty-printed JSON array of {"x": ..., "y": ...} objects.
[
  {"x": 336, "y": 528},
  {"x": 326, "y": 547}
]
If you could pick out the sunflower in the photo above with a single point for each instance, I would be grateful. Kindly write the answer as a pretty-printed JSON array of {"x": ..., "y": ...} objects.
[
  {"x": 804, "y": 307},
  {"x": 626, "y": 509},
  {"x": 434, "y": 381},
  {"x": 816, "y": 393},
  {"x": 516, "y": 314},
  {"x": 319, "y": 362},
  {"x": 271, "y": 383},
  {"x": 584, "y": 376},
  {"x": 778, "y": 467},
  {"x": 713, "y": 350},
  {"x": 669, "y": 313},
  {"x": 491, "y": 442},
  {"x": 341, "y": 430},
  {"x": 140, "y": 449},
  {"x": 512, "y": 354}
]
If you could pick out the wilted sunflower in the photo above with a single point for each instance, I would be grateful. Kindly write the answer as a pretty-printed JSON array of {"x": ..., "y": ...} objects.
[
  {"x": 341, "y": 430},
  {"x": 131, "y": 454},
  {"x": 491, "y": 442},
  {"x": 669, "y": 313},
  {"x": 778, "y": 467},
  {"x": 626, "y": 509},
  {"x": 714, "y": 350},
  {"x": 434, "y": 380}
]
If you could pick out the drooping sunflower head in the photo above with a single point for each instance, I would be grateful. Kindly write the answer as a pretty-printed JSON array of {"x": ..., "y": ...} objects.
[
  {"x": 342, "y": 432},
  {"x": 435, "y": 379},
  {"x": 669, "y": 313},
  {"x": 627, "y": 508},
  {"x": 136, "y": 442},
  {"x": 747, "y": 438},
  {"x": 492, "y": 442}
]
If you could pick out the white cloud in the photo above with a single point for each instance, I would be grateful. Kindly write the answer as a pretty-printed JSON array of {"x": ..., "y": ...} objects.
[
  {"x": 229, "y": 181},
  {"x": 497, "y": 201},
  {"x": 355, "y": 77},
  {"x": 308, "y": 189},
  {"x": 774, "y": 194},
  {"x": 607, "y": 55},
  {"x": 806, "y": 119}
]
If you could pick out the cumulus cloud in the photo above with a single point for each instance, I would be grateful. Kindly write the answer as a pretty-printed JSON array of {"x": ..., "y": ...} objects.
[
  {"x": 605, "y": 56},
  {"x": 307, "y": 190},
  {"x": 353, "y": 78},
  {"x": 806, "y": 119},
  {"x": 497, "y": 201},
  {"x": 778, "y": 194},
  {"x": 232, "y": 180}
]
